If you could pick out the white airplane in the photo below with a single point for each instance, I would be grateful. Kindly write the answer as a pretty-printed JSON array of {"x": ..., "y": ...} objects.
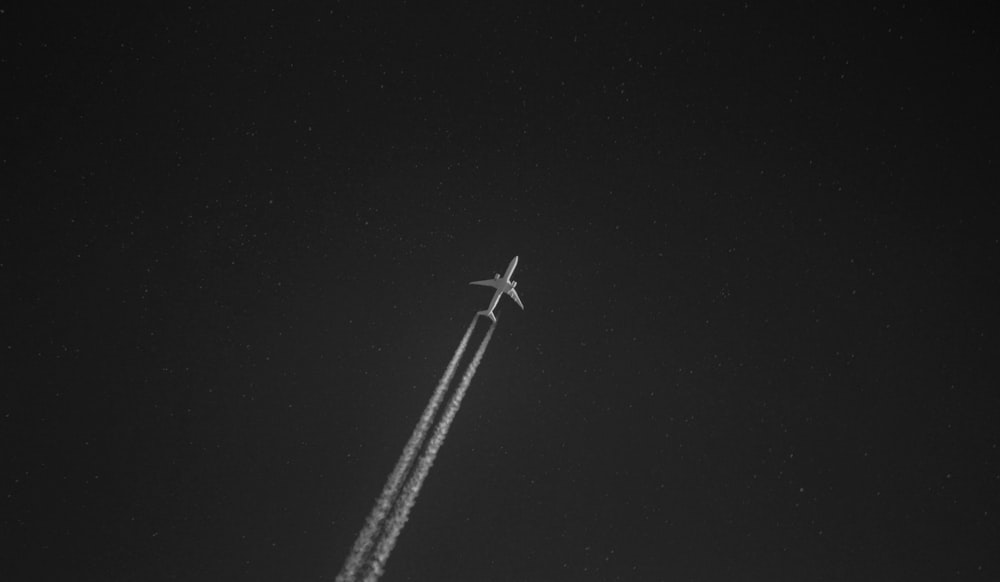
[{"x": 502, "y": 285}]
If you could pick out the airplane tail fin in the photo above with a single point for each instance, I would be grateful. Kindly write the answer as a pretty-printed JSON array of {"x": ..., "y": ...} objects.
[{"x": 488, "y": 314}]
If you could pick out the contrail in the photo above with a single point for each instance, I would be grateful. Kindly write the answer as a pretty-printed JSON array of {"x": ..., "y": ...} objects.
[
  {"x": 384, "y": 503},
  {"x": 409, "y": 496}
]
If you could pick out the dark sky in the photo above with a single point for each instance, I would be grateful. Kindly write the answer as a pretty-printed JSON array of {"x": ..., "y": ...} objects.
[{"x": 758, "y": 255}]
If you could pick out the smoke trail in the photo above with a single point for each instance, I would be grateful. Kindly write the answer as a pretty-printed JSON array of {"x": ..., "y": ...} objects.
[
  {"x": 409, "y": 496},
  {"x": 384, "y": 503}
]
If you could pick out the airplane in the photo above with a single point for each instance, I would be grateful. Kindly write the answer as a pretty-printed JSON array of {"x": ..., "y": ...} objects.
[{"x": 502, "y": 285}]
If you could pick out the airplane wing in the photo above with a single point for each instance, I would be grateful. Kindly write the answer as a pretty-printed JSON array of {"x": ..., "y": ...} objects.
[
  {"x": 486, "y": 283},
  {"x": 513, "y": 295}
]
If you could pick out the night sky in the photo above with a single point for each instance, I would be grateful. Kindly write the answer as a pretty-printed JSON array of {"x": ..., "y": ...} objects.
[{"x": 759, "y": 260}]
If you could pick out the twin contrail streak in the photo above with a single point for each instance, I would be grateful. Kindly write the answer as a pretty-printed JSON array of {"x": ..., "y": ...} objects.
[
  {"x": 409, "y": 496},
  {"x": 362, "y": 546}
]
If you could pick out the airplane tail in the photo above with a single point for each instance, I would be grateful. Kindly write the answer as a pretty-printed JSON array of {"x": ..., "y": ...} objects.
[{"x": 488, "y": 314}]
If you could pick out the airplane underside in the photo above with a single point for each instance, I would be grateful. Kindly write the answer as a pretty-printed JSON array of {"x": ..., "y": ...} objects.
[{"x": 501, "y": 285}]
